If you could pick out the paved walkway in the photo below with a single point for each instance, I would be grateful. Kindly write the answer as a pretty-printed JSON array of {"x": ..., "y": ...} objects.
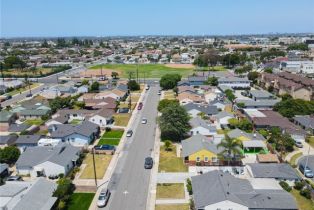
[
  {"x": 173, "y": 177},
  {"x": 307, "y": 149}
]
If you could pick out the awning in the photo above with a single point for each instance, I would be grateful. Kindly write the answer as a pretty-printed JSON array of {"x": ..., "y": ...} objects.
[{"x": 254, "y": 144}]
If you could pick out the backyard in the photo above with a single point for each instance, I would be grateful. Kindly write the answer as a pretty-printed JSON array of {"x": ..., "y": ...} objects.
[
  {"x": 170, "y": 191},
  {"x": 80, "y": 201},
  {"x": 101, "y": 162},
  {"x": 169, "y": 94},
  {"x": 151, "y": 70},
  {"x": 111, "y": 137},
  {"x": 303, "y": 203},
  {"x": 169, "y": 162},
  {"x": 34, "y": 121}
]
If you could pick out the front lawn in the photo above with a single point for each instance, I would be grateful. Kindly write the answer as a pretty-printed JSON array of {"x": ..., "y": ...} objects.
[
  {"x": 22, "y": 89},
  {"x": 121, "y": 119},
  {"x": 80, "y": 201},
  {"x": 173, "y": 207},
  {"x": 151, "y": 70},
  {"x": 311, "y": 141},
  {"x": 302, "y": 202},
  {"x": 169, "y": 162},
  {"x": 113, "y": 134},
  {"x": 34, "y": 121},
  {"x": 170, "y": 191},
  {"x": 114, "y": 141},
  {"x": 294, "y": 158},
  {"x": 101, "y": 162}
]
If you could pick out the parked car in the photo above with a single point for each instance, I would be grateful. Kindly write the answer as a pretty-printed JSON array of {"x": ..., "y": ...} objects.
[
  {"x": 159, "y": 92},
  {"x": 147, "y": 87},
  {"x": 14, "y": 178},
  {"x": 105, "y": 148},
  {"x": 103, "y": 198},
  {"x": 306, "y": 171},
  {"x": 148, "y": 163},
  {"x": 298, "y": 144},
  {"x": 140, "y": 106},
  {"x": 129, "y": 133},
  {"x": 144, "y": 120},
  {"x": 29, "y": 95}
]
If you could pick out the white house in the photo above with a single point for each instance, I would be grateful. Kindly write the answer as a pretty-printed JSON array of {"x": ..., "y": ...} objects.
[
  {"x": 102, "y": 117},
  {"x": 200, "y": 126},
  {"x": 82, "y": 89},
  {"x": 47, "y": 161}
]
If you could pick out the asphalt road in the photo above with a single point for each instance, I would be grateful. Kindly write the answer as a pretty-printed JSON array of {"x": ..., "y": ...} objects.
[{"x": 129, "y": 183}]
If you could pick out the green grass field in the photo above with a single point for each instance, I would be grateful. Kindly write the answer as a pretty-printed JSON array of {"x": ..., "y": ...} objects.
[
  {"x": 111, "y": 137},
  {"x": 80, "y": 201},
  {"x": 151, "y": 70}
]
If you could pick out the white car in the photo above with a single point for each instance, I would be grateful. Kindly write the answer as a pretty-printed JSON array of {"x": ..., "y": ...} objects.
[
  {"x": 103, "y": 198},
  {"x": 144, "y": 120},
  {"x": 147, "y": 87}
]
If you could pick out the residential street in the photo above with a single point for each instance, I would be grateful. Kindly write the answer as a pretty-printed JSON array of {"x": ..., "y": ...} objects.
[{"x": 129, "y": 183}]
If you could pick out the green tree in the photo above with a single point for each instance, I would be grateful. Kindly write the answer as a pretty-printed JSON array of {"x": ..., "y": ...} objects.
[
  {"x": 174, "y": 122},
  {"x": 168, "y": 145},
  {"x": 298, "y": 46},
  {"x": 114, "y": 74},
  {"x": 231, "y": 148},
  {"x": 230, "y": 95},
  {"x": 268, "y": 70},
  {"x": 133, "y": 85},
  {"x": 212, "y": 81},
  {"x": 13, "y": 62},
  {"x": 253, "y": 75},
  {"x": 289, "y": 107},
  {"x": 63, "y": 192},
  {"x": 169, "y": 81},
  {"x": 9, "y": 155},
  {"x": 94, "y": 87},
  {"x": 85, "y": 82},
  {"x": 45, "y": 44},
  {"x": 165, "y": 103}
]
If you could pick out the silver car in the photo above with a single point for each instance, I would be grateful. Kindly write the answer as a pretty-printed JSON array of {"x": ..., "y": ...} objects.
[{"x": 103, "y": 198}]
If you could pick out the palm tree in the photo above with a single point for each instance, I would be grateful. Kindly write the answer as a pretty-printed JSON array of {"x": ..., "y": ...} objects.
[{"x": 232, "y": 147}]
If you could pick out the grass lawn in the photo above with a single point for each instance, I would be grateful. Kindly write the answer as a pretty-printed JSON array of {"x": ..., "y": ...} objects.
[
  {"x": 122, "y": 119},
  {"x": 114, "y": 142},
  {"x": 34, "y": 121},
  {"x": 18, "y": 72},
  {"x": 126, "y": 105},
  {"x": 113, "y": 134},
  {"x": 101, "y": 161},
  {"x": 80, "y": 201},
  {"x": 17, "y": 91},
  {"x": 151, "y": 70},
  {"x": 311, "y": 142},
  {"x": 295, "y": 157},
  {"x": 170, "y": 191},
  {"x": 173, "y": 207},
  {"x": 76, "y": 122},
  {"x": 169, "y": 162},
  {"x": 303, "y": 203},
  {"x": 134, "y": 97}
]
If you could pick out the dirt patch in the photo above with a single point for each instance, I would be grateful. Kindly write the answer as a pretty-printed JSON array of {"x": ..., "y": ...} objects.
[
  {"x": 178, "y": 65},
  {"x": 98, "y": 72}
]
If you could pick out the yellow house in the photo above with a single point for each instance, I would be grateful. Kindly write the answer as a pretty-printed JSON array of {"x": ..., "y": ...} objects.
[{"x": 199, "y": 150}]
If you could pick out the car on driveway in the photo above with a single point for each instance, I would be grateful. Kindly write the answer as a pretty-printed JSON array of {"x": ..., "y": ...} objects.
[
  {"x": 105, "y": 148},
  {"x": 103, "y": 198},
  {"x": 144, "y": 120},
  {"x": 129, "y": 133},
  {"x": 298, "y": 144},
  {"x": 148, "y": 163}
]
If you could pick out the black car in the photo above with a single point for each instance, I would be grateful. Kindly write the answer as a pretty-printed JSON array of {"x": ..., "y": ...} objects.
[
  {"x": 29, "y": 95},
  {"x": 148, "y": 163}
]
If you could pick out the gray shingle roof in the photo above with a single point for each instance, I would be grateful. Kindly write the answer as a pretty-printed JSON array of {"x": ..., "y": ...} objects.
[
  {"x": 86, "y": 128},
  {"x": 28, "y": 139},
  {"x": 197, "y": 143},
  {"x": 39, "y": 196},
  {"x": 260, "y": 94},
  {"x": 18, "y": 127},
  {"x": 216, "y": 186},
  {"x": 198, "y": 122},
  {"x": 207, "y": 109},
  {"x": 273, "y": 170},
  {"x": 9, "y": 139},
  {"x": 60, "y": 154},
  {"x": 236, "y": 133},
  {"x": 306, "y": 121},
  {"x": 260, "y": 103},
  {"x": 223, "y": 114},
  {"x": 5, "y": 115}
]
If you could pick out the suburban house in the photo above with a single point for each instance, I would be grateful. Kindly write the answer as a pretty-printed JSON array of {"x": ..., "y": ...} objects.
[
  {"x": 25, "y": 141},
  {"x": 17, "y": 128},
  {"x": 257, "y": 95},
  {"x": 4, "y": 170},
  {"x": 108, "y": 103},
  {"x": 222, "y": 118},
  {"x": 182, "y": 89},
  {"x": 200, "y": 126},
  {"x": 306, "y": 122},
  {"x": 47, "y": 161},
  {"x": 61, "y": 119},
  {"x": 265, "y": 119},
  {"x": 77, "y": 135},
  {"x": 103, "y": 117},
  {"x": 115, "y": 94},
  {"x": 28, "y": 195},
  {"x": 30, "y": 110},
  {"x": 50, "y": 93},
  {"x": 199, "y": 150},
  {"x": 234, "y": 82},
  {"x": 7, "y": 140},
  {"x": 74, "y": 114},
  {"x": 286, "y": 83},
  {"x": 6, "y": 119},
  {"x": 197, "y": 80},
  {"x": 244, "y": 136},
  {"x": 260, "y": 104},
  {"x": 195, "y": 109},
  {"x": 278, "y": 171},
  {"x": 82, "y": 89},
  {"x": 218, "y": 190}
]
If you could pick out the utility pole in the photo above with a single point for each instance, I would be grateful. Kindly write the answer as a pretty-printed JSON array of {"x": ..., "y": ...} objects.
[
  {"x": 93, "y": 152},
  {"x": 129, "y": 92},
  {"x": 137, "y": 73}
]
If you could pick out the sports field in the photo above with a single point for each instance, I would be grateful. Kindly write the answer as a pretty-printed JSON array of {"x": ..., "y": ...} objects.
[{"x": 150, "y": 70}]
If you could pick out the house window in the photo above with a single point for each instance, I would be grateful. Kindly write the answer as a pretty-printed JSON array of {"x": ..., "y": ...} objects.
[
  {"x": 198, "y": 159},
  {"x": 206, "y": 159}
]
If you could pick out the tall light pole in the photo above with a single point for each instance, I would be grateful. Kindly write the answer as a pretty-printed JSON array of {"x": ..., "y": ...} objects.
[{"x": 95, "y": 176}]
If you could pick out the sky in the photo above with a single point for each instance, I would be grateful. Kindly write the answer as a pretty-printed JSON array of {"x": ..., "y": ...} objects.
[{"x": 53, "y": 18}]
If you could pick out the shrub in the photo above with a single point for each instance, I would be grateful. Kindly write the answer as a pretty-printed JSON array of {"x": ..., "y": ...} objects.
[
  {"x": 108, "y": 129},
  {"x": 189, "y": 186},
  {"x": 61, "y": 175},
  {"x": 168, "y": 145},
  {"x": 298, "y": 185},
  {"x": 306, "y": 193},
  {"x": 285, "y": 186}
]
